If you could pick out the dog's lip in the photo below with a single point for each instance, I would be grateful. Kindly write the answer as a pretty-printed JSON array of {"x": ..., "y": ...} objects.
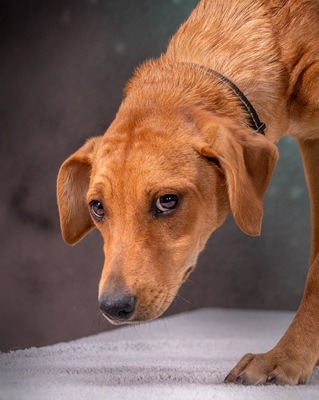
[
  {"x": 115, "y": 321},
  {"x": 118, "y": 321},
  {"x": 135, "y": 319}
]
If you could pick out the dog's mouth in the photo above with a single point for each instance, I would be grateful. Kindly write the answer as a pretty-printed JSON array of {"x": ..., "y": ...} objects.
[
  {"x": 118, "y": 321},
  {"x": 188, "y": 272},
  {"x": 136, "y": 318}
]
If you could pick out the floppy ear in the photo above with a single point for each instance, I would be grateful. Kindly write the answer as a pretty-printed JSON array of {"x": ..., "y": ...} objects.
[
  {"x": 248, "y": 160},
  {"x": 72, "y": 186}
]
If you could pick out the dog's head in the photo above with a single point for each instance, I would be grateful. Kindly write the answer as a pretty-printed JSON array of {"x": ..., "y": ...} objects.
[{"x": 156, "y": 187}]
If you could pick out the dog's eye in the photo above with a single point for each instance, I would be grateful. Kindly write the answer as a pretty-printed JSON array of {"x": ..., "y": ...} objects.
[
  {"x": 166, "y": 203},
  {"x": 97, "y": 210}
]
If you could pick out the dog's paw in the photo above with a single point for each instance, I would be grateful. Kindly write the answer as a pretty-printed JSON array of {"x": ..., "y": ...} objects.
[{"x": 269, "y": 368}]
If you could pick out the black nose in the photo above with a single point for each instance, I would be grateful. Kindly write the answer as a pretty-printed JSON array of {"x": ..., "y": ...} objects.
[{"x": 118, "y": 306}]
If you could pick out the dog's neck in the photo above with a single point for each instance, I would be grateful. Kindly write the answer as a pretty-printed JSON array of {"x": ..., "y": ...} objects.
[{"x": 252, "y": 116}]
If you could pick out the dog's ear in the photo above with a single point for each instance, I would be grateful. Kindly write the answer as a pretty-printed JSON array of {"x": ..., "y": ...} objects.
[
  {"x": 72, "y": 186},
  {"x": 248, "y": 160}
]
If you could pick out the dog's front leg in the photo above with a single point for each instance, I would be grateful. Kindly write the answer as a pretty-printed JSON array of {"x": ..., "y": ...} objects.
[{"x": 292, "y": 360}]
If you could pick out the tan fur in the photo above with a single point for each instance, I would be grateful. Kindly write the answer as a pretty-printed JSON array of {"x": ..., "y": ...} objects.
[{"x": 180, "y": 131}]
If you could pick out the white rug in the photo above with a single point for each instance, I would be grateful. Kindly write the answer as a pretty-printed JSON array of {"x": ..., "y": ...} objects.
[{"x": 182, "y": 357}]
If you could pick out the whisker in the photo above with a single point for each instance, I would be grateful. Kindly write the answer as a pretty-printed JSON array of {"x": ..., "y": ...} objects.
[{"x": 180, "y": 297}]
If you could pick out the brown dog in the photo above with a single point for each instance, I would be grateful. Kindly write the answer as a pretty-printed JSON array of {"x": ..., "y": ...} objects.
[{"x": 187, "y": 147}]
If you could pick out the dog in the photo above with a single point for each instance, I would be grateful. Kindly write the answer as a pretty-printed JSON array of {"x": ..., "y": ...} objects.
[{"x": 188, "y": 146}]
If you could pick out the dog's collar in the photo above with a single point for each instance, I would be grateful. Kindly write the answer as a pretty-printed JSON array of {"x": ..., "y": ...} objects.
[{"x": 253, "y": 119}]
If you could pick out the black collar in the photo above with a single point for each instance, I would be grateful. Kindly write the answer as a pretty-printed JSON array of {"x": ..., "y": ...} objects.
[{"x": 254, "y": 121}]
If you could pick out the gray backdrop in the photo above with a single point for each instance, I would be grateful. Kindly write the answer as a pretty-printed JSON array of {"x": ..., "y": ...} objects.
[{"x": 63, "y": 70}]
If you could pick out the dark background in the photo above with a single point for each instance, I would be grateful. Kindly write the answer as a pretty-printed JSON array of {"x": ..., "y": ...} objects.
[{"x": 64, "y": 65}]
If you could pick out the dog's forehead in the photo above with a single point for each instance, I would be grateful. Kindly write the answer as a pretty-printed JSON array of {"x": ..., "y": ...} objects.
[
  {"x": 142, "y": 162},
  {"x": 144, "y": 153}
]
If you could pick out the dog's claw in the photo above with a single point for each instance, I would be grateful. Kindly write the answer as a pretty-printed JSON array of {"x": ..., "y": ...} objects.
[
  {"x": 240, "y": 379},
  {"x": 270, "y": 379}
]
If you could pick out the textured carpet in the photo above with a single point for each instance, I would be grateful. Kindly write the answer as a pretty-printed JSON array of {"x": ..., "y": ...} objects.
[{"x": 182, "y": 357}]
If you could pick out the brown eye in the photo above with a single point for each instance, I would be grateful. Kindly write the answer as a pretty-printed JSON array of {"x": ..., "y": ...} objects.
[
  {"x": 97, "y": 210},
  {"x": 166, "y": 203}
]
